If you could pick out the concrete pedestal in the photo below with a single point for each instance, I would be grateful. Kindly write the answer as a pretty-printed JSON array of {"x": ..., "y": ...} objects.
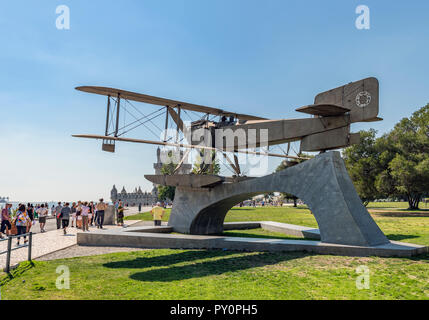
[
  {"x": 322, "y": 183},
  {"x": 110, "y": 216}
]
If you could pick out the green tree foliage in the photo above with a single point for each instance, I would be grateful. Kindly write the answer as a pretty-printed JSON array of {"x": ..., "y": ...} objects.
[
  {"x": 167, "y": 192},
  {"x": 408, "y": 171},
  {"x": 396, "y": 164},
  {"x": 363, "y": 165},
  {"x": 206, "y": 168}
]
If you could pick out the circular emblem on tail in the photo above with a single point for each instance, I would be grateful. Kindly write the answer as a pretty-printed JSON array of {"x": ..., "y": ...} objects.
[{"x": 363, "y": 99}]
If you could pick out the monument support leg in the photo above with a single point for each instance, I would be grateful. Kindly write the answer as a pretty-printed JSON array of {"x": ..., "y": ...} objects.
[{"x": 322, "y": 183}]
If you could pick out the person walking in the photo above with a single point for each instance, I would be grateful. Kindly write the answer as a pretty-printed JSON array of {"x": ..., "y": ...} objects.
[
  {"x": 85, "y": 214},
  {"x": 101, "y": 209},
  {"x": 36, "y": 214},
  {"x": 73, "y": 218},
  {"x": 96, "y": 215},
  {"x": 79, "y": 214},
  {"x": 157, "y": 213},
  {"x": 22, "y": 222},
  {"x": 92, "y": 214},
  {"x": 43, "y": 213},
  {"x": 65, "y": 217},
  {"x": 57, "y": 215},
  {"x": 30, "y": 213},
  {"x": 121, "y": 214},
  {"x": 5, "y": 220}
]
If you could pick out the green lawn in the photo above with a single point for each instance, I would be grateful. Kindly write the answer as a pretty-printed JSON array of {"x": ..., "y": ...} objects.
[
  {"x": 217, "y": 274},
  {"x": 214, "y": 275}
]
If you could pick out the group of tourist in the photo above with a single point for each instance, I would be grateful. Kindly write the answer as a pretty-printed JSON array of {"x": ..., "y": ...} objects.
[
  {"x": 23, "y": 221},
  {"x": 79, "y": 215}
]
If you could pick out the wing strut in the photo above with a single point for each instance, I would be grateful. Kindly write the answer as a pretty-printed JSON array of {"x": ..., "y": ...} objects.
[
  {"x": 166, "y": 123},
  {"x": 179, "y": 109},
  {"x": 118, "y": 107},
  {"x": 108, "y": 115},
  {"x": 236, "y": 169},
  {"x": 182, "y": 161},
  {"x": 237, "y": 165}
]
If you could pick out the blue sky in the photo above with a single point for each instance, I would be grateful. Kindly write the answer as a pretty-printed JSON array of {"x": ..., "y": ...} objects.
[{"x": 258, "y": 57}]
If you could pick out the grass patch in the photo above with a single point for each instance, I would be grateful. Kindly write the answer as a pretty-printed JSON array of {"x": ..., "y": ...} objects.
[
  {"x": 212, "y": 275},
  {"x": 217, "y": 274}
]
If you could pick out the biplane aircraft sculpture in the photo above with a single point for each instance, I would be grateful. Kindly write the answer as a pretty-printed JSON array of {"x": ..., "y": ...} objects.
[
  {"x": 333, "y": 112},
  {"x": 202, "y": 200}
]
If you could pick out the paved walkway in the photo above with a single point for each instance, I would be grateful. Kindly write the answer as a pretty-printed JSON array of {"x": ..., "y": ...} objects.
[
  {"x": 46, "y": 243},
  {"x": 135, "y": 210},
  {"x": 85, "y": 251}
]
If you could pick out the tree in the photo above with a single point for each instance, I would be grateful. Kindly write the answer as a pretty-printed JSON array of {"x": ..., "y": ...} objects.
[
  {"x": 396, "y": 164},
  {"x": 167, "y": 192},
  {"x": 362, "y": 161},
  {"x": 408, "y": 170}
]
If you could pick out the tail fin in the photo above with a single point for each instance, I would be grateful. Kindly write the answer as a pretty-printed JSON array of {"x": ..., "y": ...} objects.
[{"x": 361, "y": 97}]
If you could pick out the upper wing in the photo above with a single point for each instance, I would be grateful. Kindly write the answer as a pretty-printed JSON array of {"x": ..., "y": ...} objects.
[{"x": 163, "y": 102}]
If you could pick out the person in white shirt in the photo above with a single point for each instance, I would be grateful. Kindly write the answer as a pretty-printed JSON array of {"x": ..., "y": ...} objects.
[
  {"x": 43, "y": 213},
  {"x": 85, "y": 214}
]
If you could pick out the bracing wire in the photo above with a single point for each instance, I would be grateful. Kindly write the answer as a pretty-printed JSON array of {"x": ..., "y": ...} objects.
[
  {"x": 141, "y": 123},
  {"x": 142, "y": 114}
]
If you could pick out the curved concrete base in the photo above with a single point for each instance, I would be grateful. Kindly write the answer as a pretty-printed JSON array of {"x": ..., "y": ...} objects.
[
  {"x": 322, "y": 183},
  {"x": 159, "y": 237}
]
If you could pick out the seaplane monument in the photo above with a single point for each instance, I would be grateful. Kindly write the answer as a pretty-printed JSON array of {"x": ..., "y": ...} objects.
[{"x": 203, "y": 200}]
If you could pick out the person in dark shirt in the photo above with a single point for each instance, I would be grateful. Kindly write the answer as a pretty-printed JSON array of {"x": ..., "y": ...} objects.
[
  {"x": 65, "y": 216},
  {"x": 30, "y": 212}
]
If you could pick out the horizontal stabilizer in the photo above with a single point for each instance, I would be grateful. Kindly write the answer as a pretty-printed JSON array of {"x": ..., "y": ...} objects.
[{"x": 324, "y": 110}]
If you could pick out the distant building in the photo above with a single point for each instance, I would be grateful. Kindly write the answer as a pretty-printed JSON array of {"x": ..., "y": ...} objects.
[
  {"x": 146, "y": 198},
  {"x": 135, "y": 198}
]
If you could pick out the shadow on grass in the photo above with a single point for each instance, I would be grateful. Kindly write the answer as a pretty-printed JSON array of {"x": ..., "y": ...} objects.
[
  {"x": 166, "y": 260},
  {"x": 421, "y": 257},
  {"x": 15, "y": 273},
  {"x": 399, "y": 237},
  {"x": 213, "y": 268},
  {"x": 405, "y": 214}
]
